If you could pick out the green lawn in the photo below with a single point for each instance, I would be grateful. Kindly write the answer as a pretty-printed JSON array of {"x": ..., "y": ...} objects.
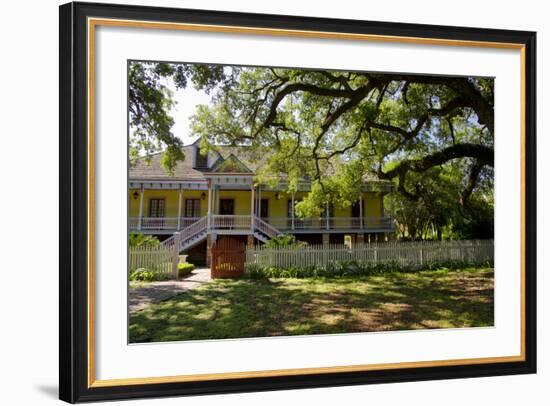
[{"x": 257, "y": 308}]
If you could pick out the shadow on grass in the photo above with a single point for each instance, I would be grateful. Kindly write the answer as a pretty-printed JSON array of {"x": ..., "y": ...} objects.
[{"x": 259, "y": 308}]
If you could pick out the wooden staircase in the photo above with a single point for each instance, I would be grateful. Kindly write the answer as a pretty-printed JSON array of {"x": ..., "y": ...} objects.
[{"x": 197, "y": 232}]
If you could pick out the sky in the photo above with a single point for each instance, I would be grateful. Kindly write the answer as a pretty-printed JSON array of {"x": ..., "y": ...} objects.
[{"x": 186, "y": 102}]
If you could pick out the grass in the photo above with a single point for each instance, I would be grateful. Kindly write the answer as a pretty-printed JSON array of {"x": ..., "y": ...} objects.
[{"x": 275, "y": 307}]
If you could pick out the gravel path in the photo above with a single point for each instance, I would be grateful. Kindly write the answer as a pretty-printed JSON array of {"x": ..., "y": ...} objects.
[{"x": 154, "y": 292}]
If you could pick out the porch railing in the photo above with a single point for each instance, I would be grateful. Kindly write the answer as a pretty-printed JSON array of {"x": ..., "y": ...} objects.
[
  {"x": 230, "y": 222},
  {"x": 161, "y": 223},
  {"x": 243, "y": 222},
  {"x": 331, "y": 223}
]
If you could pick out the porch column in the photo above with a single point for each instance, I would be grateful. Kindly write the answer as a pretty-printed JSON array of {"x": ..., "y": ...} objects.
[
  {"x": 140, "y": 207},
  {"x": 259, "y": 206},
  {"x": 209, "y": 213},
  {"x": 292, "y": 210},
  {"x": 326, "y": 239},
  {"x": 252, "y": 210},
  {"x": 360, "y": 239},
  {"x": 327, "y": 213},
  {"x": 216, "y": 200},
  {"x": 179, "y": 207},
  {"x": 361, "y": 211},
  {"x": 257, "y": 202}
]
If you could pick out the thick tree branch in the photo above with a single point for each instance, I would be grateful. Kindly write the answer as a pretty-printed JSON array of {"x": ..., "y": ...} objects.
[
  {"x": 337, "y": 79},
  {"x": 484, "y": 155},
  {"x": 358, "y": 95},
  {"x": 471, "y": 183},
  {"x": 461, "y": 86},
  {"x": 302, "y": 87},
  {"x": 408, "y": 135}
]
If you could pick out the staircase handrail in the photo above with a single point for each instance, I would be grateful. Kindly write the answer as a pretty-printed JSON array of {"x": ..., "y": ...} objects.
[
  {"x": 185, "y": 233},
  {"x": 265, "y": 228},
  {"x": 191, "y": 231}
]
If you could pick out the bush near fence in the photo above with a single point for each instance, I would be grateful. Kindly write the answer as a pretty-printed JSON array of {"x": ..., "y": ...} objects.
[
  {"x": 185, "y": 269},
  {"x": 366, "y": 259},
  {"x": 155, "y": 259},
  {"x": 353, "y": 268},
  {"x": 146, "y": 275}
]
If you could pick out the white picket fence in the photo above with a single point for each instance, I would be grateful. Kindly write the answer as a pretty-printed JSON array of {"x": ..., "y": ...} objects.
[
  {"x": 157, "y": 258},
  {"x": 404, "y": 253}
]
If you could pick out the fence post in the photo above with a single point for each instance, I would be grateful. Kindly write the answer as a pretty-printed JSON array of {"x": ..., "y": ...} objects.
[
  {"x": 175, "y": 254},
  {"x": 421, "y": 256}
]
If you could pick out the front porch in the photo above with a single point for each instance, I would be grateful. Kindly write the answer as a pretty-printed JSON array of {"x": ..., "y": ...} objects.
[{"x": 234, "y": 205}]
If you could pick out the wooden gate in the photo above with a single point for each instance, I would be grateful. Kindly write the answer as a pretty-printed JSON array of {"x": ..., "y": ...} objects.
[{"x": 228, "y": 256}]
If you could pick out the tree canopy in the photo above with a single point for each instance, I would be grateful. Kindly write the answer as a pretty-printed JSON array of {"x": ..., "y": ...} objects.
[
  {"x": 150, "y": 100},
  {"x": 424, "y": 133}
]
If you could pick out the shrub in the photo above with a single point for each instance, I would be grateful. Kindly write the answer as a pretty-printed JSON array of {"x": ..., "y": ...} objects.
[
  {"x": 285, "y": 240},
  {"x": 352, "y": 268},
  {"x": 142, "y": 240},
  {"x": 145, "y": 275},
  {"x": 185, "y": 269}
]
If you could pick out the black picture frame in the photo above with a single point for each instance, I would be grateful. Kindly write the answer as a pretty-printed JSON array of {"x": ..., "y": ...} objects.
[{"x": 74, "y": 200}]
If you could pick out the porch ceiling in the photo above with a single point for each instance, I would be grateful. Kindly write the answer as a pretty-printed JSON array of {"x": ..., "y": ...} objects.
[
  {"x": 167, "y": 185},
  {"x": 236, "y": 182},
  {"x": 243, "y": 181}
]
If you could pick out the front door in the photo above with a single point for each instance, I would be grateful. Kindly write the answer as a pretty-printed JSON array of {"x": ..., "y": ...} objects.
[
  {"x": 264, "y": 209},
  {"x": 227, "y": 206}
]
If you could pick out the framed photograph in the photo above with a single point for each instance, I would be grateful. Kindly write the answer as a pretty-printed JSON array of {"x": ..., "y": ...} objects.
[{"x": 257, "y": 202}]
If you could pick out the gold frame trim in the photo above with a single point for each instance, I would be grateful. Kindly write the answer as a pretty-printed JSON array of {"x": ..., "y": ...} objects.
[{"x": 94, "y": 22}]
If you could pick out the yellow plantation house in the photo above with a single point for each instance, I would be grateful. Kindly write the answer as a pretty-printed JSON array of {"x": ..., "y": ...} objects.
[{"x": 215, "y": 195}]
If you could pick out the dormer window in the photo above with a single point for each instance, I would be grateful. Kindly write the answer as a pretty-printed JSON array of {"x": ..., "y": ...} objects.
[{"x": 201, "y": 161}]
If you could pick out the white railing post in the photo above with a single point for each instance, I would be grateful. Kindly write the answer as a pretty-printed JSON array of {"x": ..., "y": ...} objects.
[
  {"x": 259, "y": 207},
  {"x": 292, "y": 211},
  {"x": 209, "y": 214},
  {"x": 327, "y": 213},
  {"x": 391, "y": 200},
  {"x": 179, "y": 209},
  {"x": 252, "y": 208},
  {"x": 140, "y": 207},
  {"x": 176, "y": 252}
]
